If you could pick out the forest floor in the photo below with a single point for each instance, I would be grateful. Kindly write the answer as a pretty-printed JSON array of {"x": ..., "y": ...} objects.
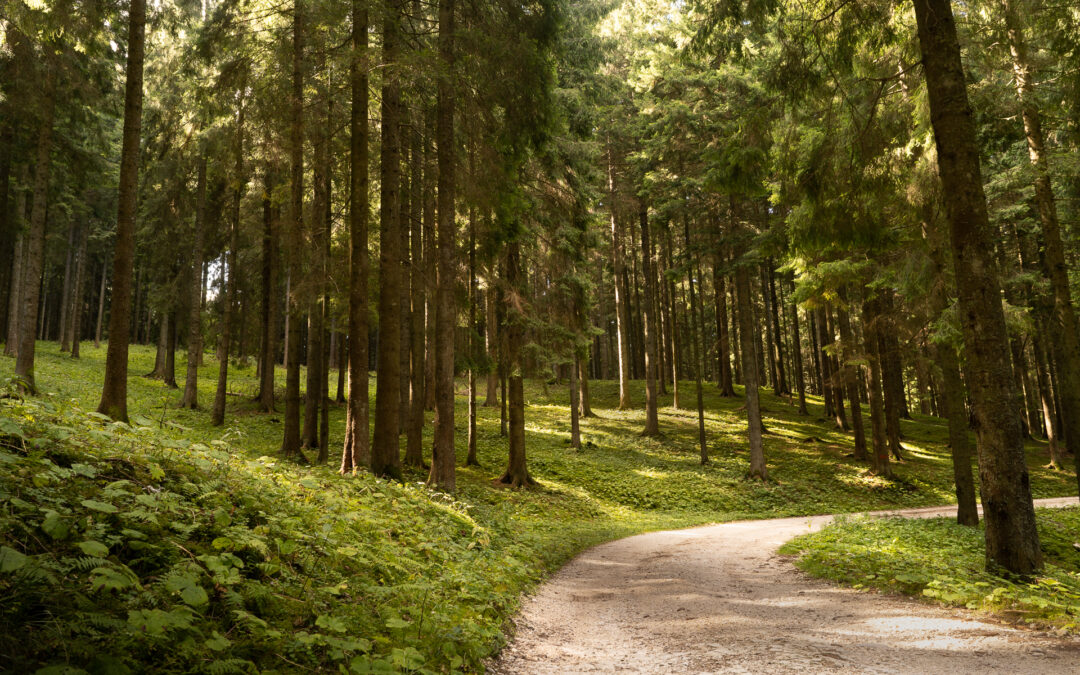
[
  {"x": 111, "y": 530},
  {"x": 720, "y": 598}
]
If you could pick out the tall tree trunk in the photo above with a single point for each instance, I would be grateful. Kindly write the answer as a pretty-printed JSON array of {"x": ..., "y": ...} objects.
[
  {"x": 491, "y": 398},
  {"x": 34, "y": 241},
  {"x": 430, "y": 258},
  {"x": 65, "y": 296},
  {"x": 583, "y": 384},
  {"x": 851, "y": 380},
  {"x": 723, "y": 350},
  {"x": 239, "y": 180},
  {"x": 749, "y": 372},
  {"x": 697, "y": 329},
  {"x": 672, "y": 304},
  {"x": 827, "y": 375},
  {"x": 796, "y": 350},
  {"x": 622, "y": 320},
  {"x": 79, "y": 294},
  {"x": 268, "y": 338},
  {"x": 880, "y": 458},
  {"x": 114, "y": 392},
  {"x": 959, "y": 445},
  {"x": 101, "y": 306},
  {"x": 888, "y": 381},
  {"x": 191, "y": 382},
  {"x": 356, "y": 451},
  {"x": 314, "y": 393},
  {"x": 385, "y": 452},
  {"x": 1012, "y": 541},
  {"x": 290, "y": 442},
  {"x": 442, "y": 474},
  {"x": 11, "y": 342},
  {"x": 775, "y": 311},
  {"x": 414, "y": 452},
  {"x": 953, "y": 387},
  {"x": 1046, "y": 400},
  {"x": 517, "y": 472},
  {"x": 169, "y": 368},
  {"x": 770, "y": 338},
  {"x": 470, "y": 459},
  {"x": 1063, "y": 324},
  {"x": 652, "y": 421}
]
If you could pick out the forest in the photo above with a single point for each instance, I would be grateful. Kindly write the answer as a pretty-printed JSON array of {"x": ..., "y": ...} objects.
[{"x": 332, "y": 327}]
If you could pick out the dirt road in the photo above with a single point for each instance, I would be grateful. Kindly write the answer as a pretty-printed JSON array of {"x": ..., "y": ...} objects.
[{"x": 719, "y": 599}]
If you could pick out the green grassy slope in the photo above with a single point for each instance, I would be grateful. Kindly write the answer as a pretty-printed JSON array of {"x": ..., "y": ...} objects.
[
  {"x": 194, "y": 548},
  {"x": 943, "y": 562}
]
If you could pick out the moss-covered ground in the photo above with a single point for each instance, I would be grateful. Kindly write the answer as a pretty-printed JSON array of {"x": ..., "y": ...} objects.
[{"x": 197, "y": 549}]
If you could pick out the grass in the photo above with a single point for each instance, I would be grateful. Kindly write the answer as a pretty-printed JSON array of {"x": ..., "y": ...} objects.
[
  {"x": 943, "y": 562},
  {"x": 304, "y": 570}
]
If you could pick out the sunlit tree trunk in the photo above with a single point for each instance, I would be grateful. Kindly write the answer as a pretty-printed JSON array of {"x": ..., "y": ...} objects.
[
  {"x": 1012, "y": 541},
  {"x": 114, "y": 392},
  {"x": 1063, "y": 324},
  {"x": 356, "y": 451},
  {"x": 652, "y": 422}
]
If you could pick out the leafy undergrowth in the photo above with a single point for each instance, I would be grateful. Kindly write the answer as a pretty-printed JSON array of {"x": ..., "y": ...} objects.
[
  {"x": 127, "y": 546},
  {"x": 944, "y": 562},
  {"x": 196, "y": 549}
]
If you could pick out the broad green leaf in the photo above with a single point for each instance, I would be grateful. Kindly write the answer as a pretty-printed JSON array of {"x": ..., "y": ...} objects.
[
  {"x": 94, "y": 548},
  {"x": 103, "y": 507},
  {"x": 10, "y": 559},
  {"x": 55, "y": 525},
  {"x": 217, "y": 642}
]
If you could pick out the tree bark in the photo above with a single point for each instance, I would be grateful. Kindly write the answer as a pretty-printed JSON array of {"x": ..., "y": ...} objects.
[
  {"x": 79, "y": 294},
  {"x": 1012, "y": 541},
  {"x": 1063, "y": 318},
  {"x": 796, "y": 350},
  {"x": 758, "y": 468},
  {"x": 959, "y": 445},
  {"x": 290, "y": 443},
  {"x": 114, "y": 392},
  {"x": 880, "y": 458},
  {"x": 11, "y": 343},
  {"x": 34, "y": 241},
  {"x": 217, "y": 416},
  {"x": 517, "y": 472},
  {"x": 430, "y": 257},
  {"x": 385, "y": 452},
  {"x": 775, "y": 311},
  {"x": 101, "y": 306},
  {"x": 622, "y": 321},
  {"x": 442, "y": 474},
  {"x": 723, "y": 351},
  {"x": 65, "y": 296},
  {"x": 851, "y": 381},
  {"x": 414, "y": 452},
  {"x": 314, "y": 392},
  {"x": 356, "y": 451},
  {"x": 190, "y": 399},
  {"x": 268, "y": 329},
  {"x": 652, "y": 420},
  {"x": 470, "y": 459}
]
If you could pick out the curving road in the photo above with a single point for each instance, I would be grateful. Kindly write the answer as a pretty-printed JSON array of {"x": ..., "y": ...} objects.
[{"x": 719, "y": 599}]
